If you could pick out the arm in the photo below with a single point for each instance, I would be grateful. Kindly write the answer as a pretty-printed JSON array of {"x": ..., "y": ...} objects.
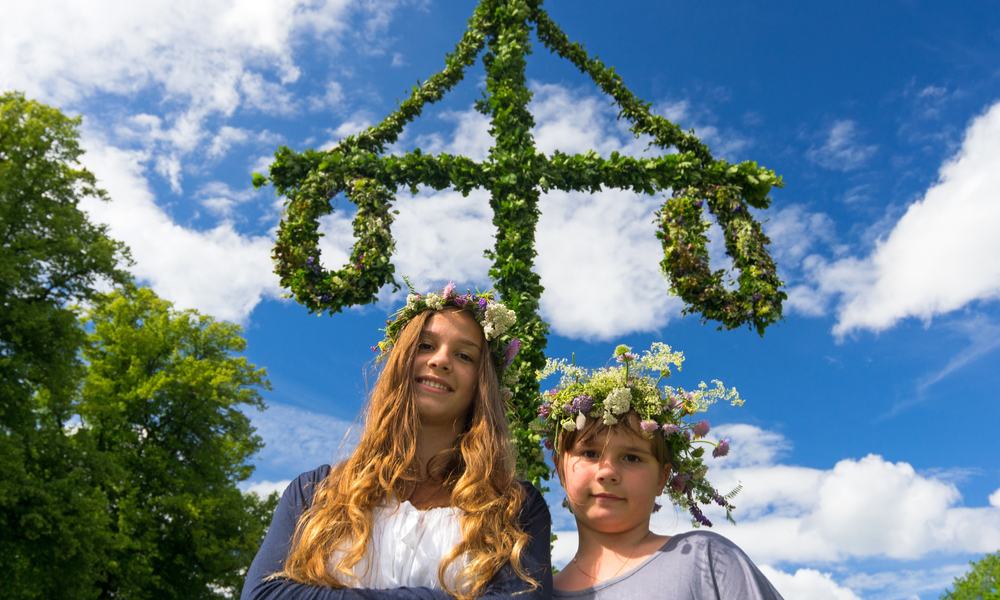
[{"x": 274, "y": 550}]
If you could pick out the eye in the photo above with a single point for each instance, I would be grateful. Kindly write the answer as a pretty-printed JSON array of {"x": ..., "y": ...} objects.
[
  {"x": 632, "y": 458},
  {"x": 424, "y": 346},
  {"x": 591, "y": 454},
  {"x": 465, "y": 356}
]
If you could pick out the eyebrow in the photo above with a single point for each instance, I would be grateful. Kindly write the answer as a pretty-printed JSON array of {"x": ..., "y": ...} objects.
[{"x": 463, "y": 341}]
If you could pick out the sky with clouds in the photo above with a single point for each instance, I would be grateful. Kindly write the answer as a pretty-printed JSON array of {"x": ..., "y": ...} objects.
[{"x": 865, "y": 448}]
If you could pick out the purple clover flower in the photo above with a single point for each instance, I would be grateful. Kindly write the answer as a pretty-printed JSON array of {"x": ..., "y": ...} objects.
[
  {"x": 649, "y": 426},
  {"x": 544, "y": 411},
  {"x": 548, "y": 444},
  {"x": 626, "y": 356},
  {"x": 483, "y": 303},
  {"x": 671, "y": 429},
  {"x": 583, "y": 404},
  {"x": 701, "y": 428},
  {"x": 679, "y": 482},
  {"x": 510, "y": 352},
  {"x": 722, "y": 449}
]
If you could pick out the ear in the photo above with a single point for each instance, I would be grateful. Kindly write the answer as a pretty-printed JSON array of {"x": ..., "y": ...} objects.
[{"x": 664, "y": 478}]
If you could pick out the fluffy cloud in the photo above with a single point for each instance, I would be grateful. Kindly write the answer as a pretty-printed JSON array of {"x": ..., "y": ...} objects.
[
  {"x": 807, "y": 584},
  {"x": 942, "y": 254},
  {"x": 859, "y": 508},
  {"x": 218, "y": 271}
]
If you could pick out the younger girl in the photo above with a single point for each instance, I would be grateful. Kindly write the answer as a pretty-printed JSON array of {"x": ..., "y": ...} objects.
[
  {"x": 427, "y": 505},
  {"x": 617, "y": 439}
]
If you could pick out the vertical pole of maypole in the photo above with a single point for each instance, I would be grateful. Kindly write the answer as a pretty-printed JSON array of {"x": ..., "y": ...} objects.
[{"x": 514, "y": 199}]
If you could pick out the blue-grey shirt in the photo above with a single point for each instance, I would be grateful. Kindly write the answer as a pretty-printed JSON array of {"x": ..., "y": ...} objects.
[{"x": 697, "y": 565}]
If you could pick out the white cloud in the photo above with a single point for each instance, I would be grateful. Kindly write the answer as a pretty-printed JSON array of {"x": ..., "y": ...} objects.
[
  {"x": 860, "y": 508},
  {"x": 264, "y": 488},
  {"x": 226, "y": 137},
  {"x": 942, "y": 254},
  {"x": 842, "y": 151},
  {"x": 598, "y": 259},
  {"x": 807, "y": 584},
  {"x": 298, "y": 440},
  {"x": 219, "y": 272}
]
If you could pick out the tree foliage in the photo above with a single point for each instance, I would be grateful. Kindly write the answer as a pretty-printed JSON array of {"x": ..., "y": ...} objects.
[
  {"x": 121, "y": 435},
  {"x": 164, "y": 394},
  {"x": 53, "y": 534},
  {"x": 981, "y": 583}
]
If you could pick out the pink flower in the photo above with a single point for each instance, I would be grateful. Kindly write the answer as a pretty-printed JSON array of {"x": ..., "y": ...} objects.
[
  {"x": 669, "y": 429},
  {"x": 649, "y": 426},
  {"x": 448, "y": 289},
  {"x": 722, "y": 449},
  {"x": 701, "y": 428}
]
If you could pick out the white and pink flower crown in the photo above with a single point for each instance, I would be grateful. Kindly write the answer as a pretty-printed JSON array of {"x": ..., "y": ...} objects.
[
  {"x": 492, "y": 315},
  {"x": 611, "y": 392}
]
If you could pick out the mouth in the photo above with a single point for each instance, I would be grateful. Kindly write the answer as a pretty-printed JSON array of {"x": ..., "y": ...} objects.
[
  {"x": 607, "y": 497},
  {"x": 433, "y": 384}
]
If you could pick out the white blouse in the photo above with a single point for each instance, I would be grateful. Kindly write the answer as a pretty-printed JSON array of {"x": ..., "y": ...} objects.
[{"x": 407, "y": 547}]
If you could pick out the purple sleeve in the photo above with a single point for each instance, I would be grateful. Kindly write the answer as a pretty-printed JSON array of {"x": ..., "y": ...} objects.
[{"x": 298, "y": 496}]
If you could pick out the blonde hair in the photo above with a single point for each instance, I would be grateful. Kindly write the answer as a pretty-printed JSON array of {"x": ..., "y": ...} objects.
[{"x": 478, "y": 470}]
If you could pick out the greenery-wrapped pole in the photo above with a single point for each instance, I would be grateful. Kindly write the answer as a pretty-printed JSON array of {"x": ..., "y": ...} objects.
[{"x": 516, "y": 175}]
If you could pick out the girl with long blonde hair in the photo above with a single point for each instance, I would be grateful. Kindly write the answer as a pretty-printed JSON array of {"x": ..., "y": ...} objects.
[{"x": 427, "y": 506}]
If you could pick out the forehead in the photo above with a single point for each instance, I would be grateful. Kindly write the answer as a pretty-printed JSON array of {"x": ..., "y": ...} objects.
[
  {"x": 454, "y": 325},
  {"x": 617, "y": 439}
]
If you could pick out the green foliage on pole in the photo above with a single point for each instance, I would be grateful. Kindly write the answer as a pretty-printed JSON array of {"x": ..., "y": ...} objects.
[
  {"x": 516, "y": 175},
  {"x": 981, "y": 583}
]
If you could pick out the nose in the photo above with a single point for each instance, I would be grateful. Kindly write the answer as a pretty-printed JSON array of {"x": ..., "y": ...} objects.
[
  {"x": 440, "y": 359},
  {"x": 606, "y": 470}
]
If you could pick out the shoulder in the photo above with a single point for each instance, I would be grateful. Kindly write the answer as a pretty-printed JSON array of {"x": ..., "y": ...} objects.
[
  {"x": 300, "y": 491},
  {"x": 534, "y": 503},
  {"x": 715, "y": 562}
]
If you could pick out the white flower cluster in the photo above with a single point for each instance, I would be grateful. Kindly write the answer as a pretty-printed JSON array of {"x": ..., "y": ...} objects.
[
  {"x": 411, "y": 301},
  {"x": 434, "y": 302},
  {"x": 618, "y": 402},
  {"x": 498, "y": 319},
  {"x": 660, "y": 359}
]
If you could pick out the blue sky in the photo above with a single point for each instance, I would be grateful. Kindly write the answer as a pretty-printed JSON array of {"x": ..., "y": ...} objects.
[{"x": 865, "y": 447}]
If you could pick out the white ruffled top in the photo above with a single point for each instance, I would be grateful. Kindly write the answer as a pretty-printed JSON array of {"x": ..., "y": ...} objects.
[{"x": 407, "y": 547}]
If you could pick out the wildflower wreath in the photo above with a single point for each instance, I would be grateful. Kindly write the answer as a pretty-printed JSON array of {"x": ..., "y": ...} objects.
[
  {"x": 493, "y": 316},
  {"x": 611, "y": 392},
  {"x": 516, "y": 174}
]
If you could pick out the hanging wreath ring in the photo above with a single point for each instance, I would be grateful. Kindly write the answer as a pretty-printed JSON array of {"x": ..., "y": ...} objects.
[
  {"x": 756, "y": 302},
  {"x": 297, "y": 254}
]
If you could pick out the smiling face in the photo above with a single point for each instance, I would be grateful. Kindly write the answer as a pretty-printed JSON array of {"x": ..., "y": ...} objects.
[
  {"x": 446, "y": 367},
  {"x": 612, "y": 480}
]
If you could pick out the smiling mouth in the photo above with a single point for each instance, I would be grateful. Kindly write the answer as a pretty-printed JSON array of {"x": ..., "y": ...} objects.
[
  {"x": 607, "y": 497},
  {"x": 434, "y": 384}
]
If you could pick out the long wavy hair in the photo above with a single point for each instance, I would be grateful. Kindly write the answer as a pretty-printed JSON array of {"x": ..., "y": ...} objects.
[{"x": 478, "y": 471}]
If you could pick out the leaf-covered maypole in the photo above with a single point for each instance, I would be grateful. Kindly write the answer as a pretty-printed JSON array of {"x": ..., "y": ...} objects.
[{"x": 516, "y": 175}]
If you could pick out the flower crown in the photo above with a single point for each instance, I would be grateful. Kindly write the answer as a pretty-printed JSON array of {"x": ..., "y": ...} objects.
[
  {"x": 492, "y": 316},
  {"x": 611, "y": 392}
]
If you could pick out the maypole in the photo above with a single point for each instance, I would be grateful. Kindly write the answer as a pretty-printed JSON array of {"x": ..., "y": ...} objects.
[{"x": 516, "y": 175}]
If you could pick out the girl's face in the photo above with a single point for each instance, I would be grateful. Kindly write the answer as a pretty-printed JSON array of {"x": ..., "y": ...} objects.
[
  {"x": 612, "y": 481},
  {"x": 446, "y": 367}
]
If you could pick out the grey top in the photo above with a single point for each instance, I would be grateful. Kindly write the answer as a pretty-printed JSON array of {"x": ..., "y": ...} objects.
[{"x": 697, "y": 565}]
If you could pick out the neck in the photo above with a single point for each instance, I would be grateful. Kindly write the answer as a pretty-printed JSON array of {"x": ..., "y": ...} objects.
[
  {"x": 595, "y": 546},
  {"x": 433, "y": 438}
]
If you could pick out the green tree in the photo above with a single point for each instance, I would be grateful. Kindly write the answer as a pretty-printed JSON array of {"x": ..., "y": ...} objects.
[
  {"x": 164, "y": 394},
  {"x": 53, "y": 534},
  {"x": 981, "y": 583}
]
